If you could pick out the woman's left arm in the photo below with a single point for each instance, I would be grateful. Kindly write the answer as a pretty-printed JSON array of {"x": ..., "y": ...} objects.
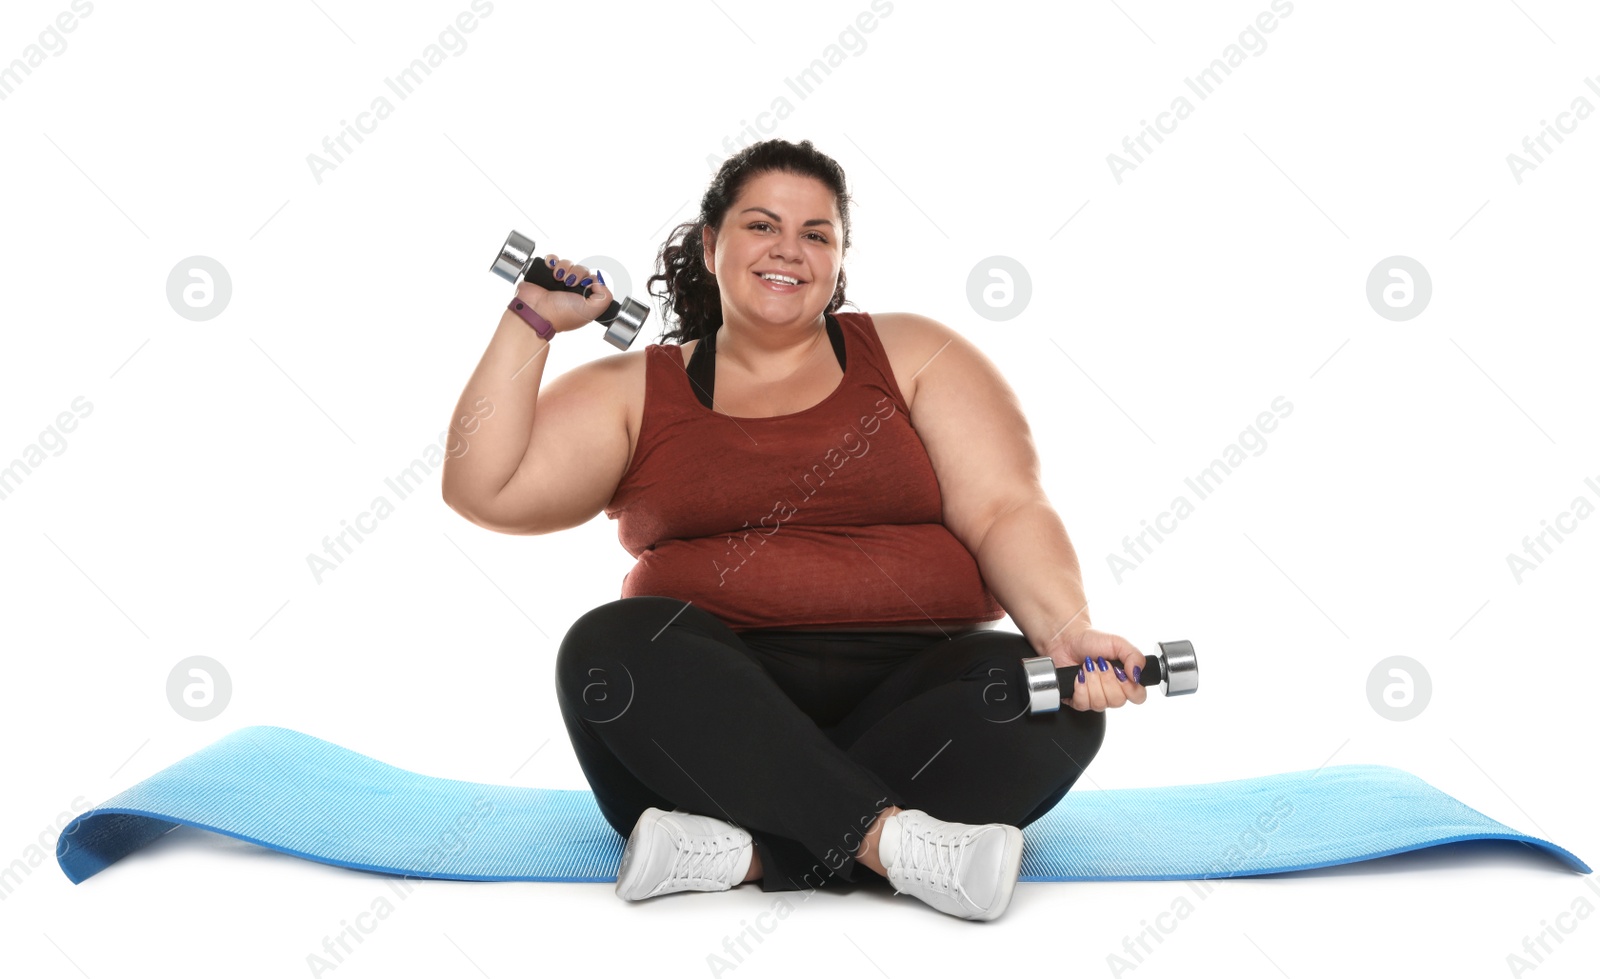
[{"x": 983, "y": 454}]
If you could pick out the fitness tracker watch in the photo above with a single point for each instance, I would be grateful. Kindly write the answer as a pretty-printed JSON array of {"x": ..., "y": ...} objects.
[{"x": 540, "y": 325}]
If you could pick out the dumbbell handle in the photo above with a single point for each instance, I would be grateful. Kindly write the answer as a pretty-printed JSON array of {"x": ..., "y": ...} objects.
[
  {"x": 1173, "y": 667},
  {"x": 622, "y": 318},
  {"x": 541, "y": 274}
]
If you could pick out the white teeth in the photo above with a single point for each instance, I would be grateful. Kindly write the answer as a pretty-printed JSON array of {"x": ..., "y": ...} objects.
[{"x": 773, "y": 277}]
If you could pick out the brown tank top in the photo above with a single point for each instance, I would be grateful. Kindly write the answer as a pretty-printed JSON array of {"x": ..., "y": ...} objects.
[{"x": 828, "y": 517}]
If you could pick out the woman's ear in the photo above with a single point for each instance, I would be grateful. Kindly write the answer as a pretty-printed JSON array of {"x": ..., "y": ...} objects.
[{"x": 708, "y": 249}]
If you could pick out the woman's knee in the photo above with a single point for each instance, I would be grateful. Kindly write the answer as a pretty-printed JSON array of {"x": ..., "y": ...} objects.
[
  {"x": 591, "y": 673},
  {"x": 1080, "y": 733},
  {"x": 986, "y": 665},
  {"x": 625, "y": 616},
  {"x": 616, "y": 626},
  {"x": 610, "y": 641}
]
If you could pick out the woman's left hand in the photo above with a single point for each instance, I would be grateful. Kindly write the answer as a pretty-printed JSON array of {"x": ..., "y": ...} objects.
[{"x": 1096, "y": 654}]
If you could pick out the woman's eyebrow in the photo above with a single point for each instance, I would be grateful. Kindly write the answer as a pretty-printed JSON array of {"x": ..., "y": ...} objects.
[{"x": 780, "y": 220}]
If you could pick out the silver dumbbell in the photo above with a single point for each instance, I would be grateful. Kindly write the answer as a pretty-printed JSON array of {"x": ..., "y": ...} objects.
[
  {"x": 517, "y": 261},
  {"x": 1173, "y": 667}
]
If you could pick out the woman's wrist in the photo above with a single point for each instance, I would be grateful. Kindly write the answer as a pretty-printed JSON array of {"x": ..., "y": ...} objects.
[
  {"x": 540, "y": 324},
  {"x": 1062, "y": 640}
]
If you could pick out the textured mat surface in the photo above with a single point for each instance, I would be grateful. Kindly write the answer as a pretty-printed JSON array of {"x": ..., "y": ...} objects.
[{"x": 295, "y": 793}]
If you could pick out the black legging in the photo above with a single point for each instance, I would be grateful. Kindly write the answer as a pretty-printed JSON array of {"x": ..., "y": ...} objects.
[{"x": 802, "y": 738}]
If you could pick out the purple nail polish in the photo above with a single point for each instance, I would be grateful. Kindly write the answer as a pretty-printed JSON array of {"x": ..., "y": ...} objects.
[
  {"x": 1102, "y": 664},
  {"x": 1088, "y": 664},
  {"x": 586, "y": 281},
  {"x": 1136, "y": 672},
  {"x": 572, "y": 278},
  {"x": 601, "y": 275},
  {"x": 1121, "y": 675},
  {"x": 1080, "y": 675},
  {"x": 551, "y": 262}
]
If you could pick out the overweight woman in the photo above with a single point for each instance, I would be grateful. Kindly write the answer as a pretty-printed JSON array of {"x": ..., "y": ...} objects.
[{"x": 830, "y": 510}]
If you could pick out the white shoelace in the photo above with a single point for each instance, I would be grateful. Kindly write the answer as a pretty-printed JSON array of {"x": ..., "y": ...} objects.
[
  {"x": 706, "y": 858},
  {"x": 931, "y": 862}
]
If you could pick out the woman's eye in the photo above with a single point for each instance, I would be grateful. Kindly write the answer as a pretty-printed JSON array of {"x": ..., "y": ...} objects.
[{"x": 815, "y": 235}]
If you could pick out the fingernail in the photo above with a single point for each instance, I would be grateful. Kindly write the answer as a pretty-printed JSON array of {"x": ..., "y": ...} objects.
[
  {"x": 572, "y": 278},
  {"x": 560, "y": 274},
  {"x": 1120, "y": 675},
  {"x": 602, "y": 276},
  {"x": 551, "y": 262},
  {"x": 1080, "y": 675},
  {"x": 586, "y": 281},
  {"x": 1088, "y": 664},
  {"x": 1136, "y": 672},
  {"x": 1102, "y": 663}
]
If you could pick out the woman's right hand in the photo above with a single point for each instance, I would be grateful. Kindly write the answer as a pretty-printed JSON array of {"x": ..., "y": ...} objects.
[
  {"x": 1096, "y": 656},
  {"x": 566, "y": 310}
]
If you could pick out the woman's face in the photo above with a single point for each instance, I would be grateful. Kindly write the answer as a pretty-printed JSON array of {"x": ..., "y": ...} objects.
[{"x": 781, "y": 223}]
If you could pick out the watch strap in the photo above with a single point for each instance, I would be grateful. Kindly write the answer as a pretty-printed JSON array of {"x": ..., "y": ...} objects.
[{"x": 540, "y": 325}]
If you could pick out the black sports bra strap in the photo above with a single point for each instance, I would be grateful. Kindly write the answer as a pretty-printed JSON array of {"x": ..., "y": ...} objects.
[
  {"x": 836, "y": 337},
  {"x": 702, "y": 367}
]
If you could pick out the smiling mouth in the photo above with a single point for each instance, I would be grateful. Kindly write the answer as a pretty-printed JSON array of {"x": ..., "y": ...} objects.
[{"x": 778, "y": 285}]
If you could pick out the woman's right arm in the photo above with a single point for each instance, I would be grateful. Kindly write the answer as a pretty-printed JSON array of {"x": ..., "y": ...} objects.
[{"x": 521, "y": 460}]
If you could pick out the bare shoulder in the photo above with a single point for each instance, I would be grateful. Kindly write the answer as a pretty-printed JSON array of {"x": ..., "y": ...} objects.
[{"x": 911, "y": 341}]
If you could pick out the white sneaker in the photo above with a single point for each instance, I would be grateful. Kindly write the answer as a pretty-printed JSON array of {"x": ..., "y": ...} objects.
[
  {"x": 958, "y": 868},
  {"x": 679, "y": 851}
]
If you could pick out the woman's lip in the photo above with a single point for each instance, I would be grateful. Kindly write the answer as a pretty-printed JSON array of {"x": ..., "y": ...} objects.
[{"x": 777, "y": 286}]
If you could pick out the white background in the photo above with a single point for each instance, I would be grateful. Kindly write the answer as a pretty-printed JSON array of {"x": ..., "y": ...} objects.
[{"x": 1227, "y": 270}]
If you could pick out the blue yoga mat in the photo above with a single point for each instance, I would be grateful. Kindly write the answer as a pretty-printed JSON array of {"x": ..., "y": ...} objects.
[{"x": 298, "y": 794}]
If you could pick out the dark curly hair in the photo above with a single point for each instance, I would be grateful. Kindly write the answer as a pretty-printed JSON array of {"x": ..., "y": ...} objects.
[{"x": 693, "y": 301}]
